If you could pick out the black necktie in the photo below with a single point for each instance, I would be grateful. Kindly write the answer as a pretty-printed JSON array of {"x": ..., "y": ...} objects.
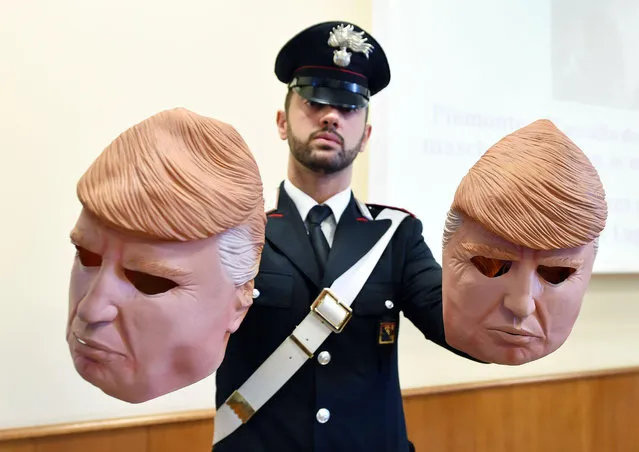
[{"x": 314, "y": 219}]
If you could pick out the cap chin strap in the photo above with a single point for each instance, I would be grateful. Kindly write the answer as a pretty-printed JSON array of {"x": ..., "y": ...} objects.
[{"x": 329, "y": 313}]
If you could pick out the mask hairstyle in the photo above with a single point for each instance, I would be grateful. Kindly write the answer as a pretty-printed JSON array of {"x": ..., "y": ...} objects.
[
  {"x": 168, "y": 242},
  {"x": 519, "y": 246}
]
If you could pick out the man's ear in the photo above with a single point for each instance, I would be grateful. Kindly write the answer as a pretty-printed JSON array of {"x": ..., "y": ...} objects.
[
  {"x": 243, "y": 301},
  {"x": 281, "y": 124},
  {"x": 367, "y": 134}
]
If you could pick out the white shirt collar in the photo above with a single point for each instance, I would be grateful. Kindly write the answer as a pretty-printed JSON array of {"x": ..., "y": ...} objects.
[{"x": 304, "y": 203}]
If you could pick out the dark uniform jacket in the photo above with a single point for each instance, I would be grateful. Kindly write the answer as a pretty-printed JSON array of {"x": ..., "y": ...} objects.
[{"x": 359, "y": 386}]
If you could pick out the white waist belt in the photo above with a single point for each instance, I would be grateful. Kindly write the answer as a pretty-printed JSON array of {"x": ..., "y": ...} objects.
[{"x": 329, "y": 313}]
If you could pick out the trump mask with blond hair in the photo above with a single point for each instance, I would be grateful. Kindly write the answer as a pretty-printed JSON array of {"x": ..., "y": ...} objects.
[
  {"x": 167, "y": 243},
  {"x": 519, "y": 246}
]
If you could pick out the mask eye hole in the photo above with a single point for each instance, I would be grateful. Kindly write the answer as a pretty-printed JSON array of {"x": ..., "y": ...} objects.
[
  {"x": 149, "y": 284},
  {"x": 555, "y": 275},
  {"x": 87, "y": 258},
  {"x": 491, "y": 268}
]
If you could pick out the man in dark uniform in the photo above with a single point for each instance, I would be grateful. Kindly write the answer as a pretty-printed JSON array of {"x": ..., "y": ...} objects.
[{"x": 346, "y": 395}]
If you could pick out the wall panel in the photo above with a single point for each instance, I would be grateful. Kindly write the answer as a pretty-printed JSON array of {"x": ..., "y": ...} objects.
[{"x": 593, "y": 412}]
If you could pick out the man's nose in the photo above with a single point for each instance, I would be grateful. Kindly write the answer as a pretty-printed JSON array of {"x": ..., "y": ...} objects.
[
  {"x": 330, "y": 118},
  {"x": 97, "y": 306},
  {"x": 520, "y": 296}
]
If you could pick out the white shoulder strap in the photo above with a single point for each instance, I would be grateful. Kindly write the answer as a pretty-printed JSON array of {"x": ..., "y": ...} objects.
[
  {"x": 329, "y": 313},
  {"x": 349, "y": 284}
]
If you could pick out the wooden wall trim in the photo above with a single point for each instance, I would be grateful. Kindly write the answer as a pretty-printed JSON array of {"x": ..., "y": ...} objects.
[
  {"x": 459, "y": 387},
  {"x": 208, "y": 414},
  {"x": 105, "y": 424}
]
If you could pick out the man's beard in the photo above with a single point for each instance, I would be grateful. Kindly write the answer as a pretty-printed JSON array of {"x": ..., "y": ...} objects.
[{"x": 340, "y": 159}]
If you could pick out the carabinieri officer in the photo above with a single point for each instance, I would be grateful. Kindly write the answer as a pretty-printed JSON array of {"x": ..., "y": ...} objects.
[{"x": 311, "y": 369}]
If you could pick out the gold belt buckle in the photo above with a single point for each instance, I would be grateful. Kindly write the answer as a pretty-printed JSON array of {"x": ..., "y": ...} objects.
[{"x": 320, "y": 307}]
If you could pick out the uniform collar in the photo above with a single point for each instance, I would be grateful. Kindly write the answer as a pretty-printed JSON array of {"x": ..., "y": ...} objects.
[{"x": 304, "y": 203}]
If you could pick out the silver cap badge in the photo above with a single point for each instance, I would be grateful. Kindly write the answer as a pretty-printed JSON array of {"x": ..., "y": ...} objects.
[{"x": 344, "y": 37}]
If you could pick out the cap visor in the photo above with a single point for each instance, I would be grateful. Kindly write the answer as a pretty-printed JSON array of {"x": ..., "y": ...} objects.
[{"x": 330, "y": 96}]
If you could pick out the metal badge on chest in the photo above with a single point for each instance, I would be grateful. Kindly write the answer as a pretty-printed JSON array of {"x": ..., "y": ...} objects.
[{"x": 387, "y": 330}]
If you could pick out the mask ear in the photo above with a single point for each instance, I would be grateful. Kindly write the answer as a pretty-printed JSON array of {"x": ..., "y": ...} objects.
[{"x": 243, "y": 301}]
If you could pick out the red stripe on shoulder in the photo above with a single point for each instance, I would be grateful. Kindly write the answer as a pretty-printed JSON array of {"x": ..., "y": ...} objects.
[
  {"x": 382, "y": 206},
  {"x": 362, "y": 219},
  {"x": 275, "y": 215}
]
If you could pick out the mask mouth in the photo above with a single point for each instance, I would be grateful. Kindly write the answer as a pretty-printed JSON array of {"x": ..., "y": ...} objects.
[
  {"x": 94, "y": 345},
  {"x": 517, "y": 331}
]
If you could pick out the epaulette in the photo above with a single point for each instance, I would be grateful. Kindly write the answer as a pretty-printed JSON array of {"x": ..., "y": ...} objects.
[{"x": 377, "y": 208}]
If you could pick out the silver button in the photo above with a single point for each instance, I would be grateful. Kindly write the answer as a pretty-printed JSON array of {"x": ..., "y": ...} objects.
[
  {"x": 389, "y": 304},
  {"x": 324, "y": 358},
  {"x": 256, "y": 293},
  {"x": 323, "y": 415}
]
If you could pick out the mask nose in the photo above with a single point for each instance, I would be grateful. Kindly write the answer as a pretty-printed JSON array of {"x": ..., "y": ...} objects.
[
  {"x": 520, "y": 297},
  {"x": 96, "y": 307}
]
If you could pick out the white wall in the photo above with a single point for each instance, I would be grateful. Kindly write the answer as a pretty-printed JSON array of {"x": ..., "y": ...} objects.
[
  {"x": 466, "y": 73},
  {"x": 73, "y": 75}
]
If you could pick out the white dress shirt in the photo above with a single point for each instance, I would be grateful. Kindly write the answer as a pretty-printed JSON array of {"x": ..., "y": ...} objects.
[{"x": 305, "y": 203}]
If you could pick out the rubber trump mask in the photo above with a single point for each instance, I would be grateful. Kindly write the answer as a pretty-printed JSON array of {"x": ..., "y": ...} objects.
[
  {"x": 519, "y": 246},
  {"x": 167, "y": 243}
]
